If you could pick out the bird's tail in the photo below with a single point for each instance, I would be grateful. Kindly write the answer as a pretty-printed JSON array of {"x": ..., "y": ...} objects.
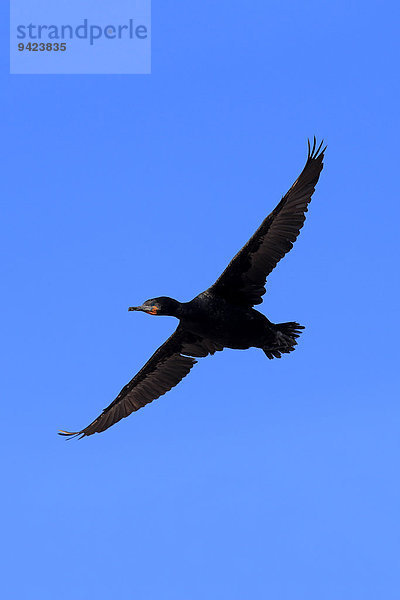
[{"x": 285, "y": 341}]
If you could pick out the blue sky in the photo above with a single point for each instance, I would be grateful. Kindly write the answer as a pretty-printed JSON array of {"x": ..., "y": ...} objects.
[{"x": 253, "y": 478}]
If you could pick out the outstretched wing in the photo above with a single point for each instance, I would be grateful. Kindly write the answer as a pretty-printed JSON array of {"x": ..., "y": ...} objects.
[
  {"x": 165, "y": 369},
  {"x": 243, "y": 280}
]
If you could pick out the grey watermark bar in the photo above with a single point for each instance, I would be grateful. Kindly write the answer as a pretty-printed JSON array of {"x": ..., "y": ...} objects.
[{"x": 80, "y": 37}]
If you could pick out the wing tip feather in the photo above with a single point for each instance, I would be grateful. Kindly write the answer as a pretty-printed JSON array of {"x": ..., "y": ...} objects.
[
  {"x": 69, "y": 435},
  {"x": 314, "y": 152}
]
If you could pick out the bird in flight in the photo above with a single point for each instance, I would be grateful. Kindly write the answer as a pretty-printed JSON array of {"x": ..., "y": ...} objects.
[{"x": 223, "y": 316}]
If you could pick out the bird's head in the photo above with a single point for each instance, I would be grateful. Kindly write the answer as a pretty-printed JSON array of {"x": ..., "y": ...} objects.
[{"x": 159, "y": 306}]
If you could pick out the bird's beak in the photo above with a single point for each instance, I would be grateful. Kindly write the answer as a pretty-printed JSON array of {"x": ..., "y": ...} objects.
[{"x": 152, "y": 310}]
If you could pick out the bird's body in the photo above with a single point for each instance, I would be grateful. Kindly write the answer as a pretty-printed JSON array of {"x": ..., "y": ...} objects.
[
  {"x": 223, "y": 316},
  {"x": 225, "y": 323}
]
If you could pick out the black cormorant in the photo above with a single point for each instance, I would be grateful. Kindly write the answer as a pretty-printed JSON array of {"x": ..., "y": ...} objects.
[{"x": 222, "y": 316}]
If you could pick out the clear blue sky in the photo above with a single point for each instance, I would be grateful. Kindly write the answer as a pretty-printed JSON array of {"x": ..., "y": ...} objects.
[{"x": 253, "y": 478}]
